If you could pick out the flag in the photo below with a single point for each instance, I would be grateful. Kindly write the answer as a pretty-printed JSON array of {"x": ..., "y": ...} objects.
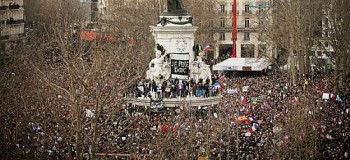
[
  {"x": 255, "y": 100},
  {"x": 176, "y": 125},
  {"x": 217, "y": 85},
  {"x": 250, "y": 119},
  {"x": 286, "y": 138},
  {"x": 333, "y": 96},
  {"x": 233, "y": 117},
  {"x": 89, "y": 113},
  {"x": 241, "y": 118},
  {"x": 254, "y": 127},
  {"x": 200, "y": 48},
  {"x": 34, "y": 127},
  {"x": 206, "y": 48},
  {"x": 247, "y": 110},
  {"x": 137, "y": 125},
  {"x": 323, "y": 128},
  {"x": 165, "y": 127},
  {"x": 243, "y": 100},
  {"x": 338, "y": 99},
  {"x": 141, "y": 88}
]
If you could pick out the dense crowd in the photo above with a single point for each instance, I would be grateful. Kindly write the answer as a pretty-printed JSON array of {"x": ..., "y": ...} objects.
[{"x": 261, "y": 117}]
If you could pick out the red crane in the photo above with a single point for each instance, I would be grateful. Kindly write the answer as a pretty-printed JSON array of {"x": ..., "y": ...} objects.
[{"x": 234, "y": 28}]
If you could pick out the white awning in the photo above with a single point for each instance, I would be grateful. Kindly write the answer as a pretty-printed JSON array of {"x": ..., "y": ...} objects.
[{"x": 242, "y": 64}]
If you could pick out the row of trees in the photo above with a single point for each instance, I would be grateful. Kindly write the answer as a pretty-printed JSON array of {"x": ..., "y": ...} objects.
[
  {"x": 300, "y": 26},
  {"x": 53, "y": 77}
]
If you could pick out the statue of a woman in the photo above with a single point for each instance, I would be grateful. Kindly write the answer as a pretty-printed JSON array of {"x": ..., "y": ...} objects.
[{"x": 174, "y": 5}]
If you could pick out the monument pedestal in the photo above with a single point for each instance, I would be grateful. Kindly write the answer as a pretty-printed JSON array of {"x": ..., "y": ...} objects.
[
  {"x": 175, "y": 38},
  {"x": 175, "y": 33}
]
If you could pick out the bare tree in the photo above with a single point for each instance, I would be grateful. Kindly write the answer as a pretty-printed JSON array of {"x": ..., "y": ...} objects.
[{"x": 336, "y": 27}]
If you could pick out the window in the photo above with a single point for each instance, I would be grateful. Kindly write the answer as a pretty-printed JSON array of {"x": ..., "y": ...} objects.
[
  {"x": 326, "y": 33},
  {"x": 319, "y": 53},
  {"x": 246, "y": 36},
  {"x": 260, "y": 8},
  {"x": 210, "y": 8},
  {"x": 326, "y": 22},
  {"x": 222, "y": 8},
  {"x": 326, "y": 44},
  {"x": 246, "y": 8},
  {"x": 222, "y": 36},
  {"x": 211, "y": 23},
  {"x": 246, "y": 23},
  {"x": 261, "y": 21},
  {"x": 222, "y": 23},
  {"x": 211, "y": 34}
]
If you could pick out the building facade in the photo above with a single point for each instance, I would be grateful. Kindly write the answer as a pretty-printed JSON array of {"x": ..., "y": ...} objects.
[
  {"x": 321, "y": 51},
  {"x": 12, "y": 23},
  {"x": 250, "y": 15}
]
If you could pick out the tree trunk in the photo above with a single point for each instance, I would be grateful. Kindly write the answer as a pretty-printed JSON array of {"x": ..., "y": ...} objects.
[
  {"x": 343, "y": 68},
  {"x": 78, "y": 130},
  {"x": 337, "y": 74},
  {"x": 95, "y": 130},
  {"x": 300, "y": 62},
  {"x": 293, "y": 68},
  {"x": 347, "y": 71},
  {"x": 307, "y": 61}
]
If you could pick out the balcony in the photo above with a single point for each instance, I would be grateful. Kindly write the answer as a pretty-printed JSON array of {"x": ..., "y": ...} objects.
[
  {"x": 222, "y": 12},
  {"x": 241, "y": 28},
  {"x": 12, "y": 30},
  {"x": 3, "y": 8},
  {"x": 237, "y": 12},
  {"x": 247, "y": 12},
  {"x": 7, "y": 2},
  {"x": 10, "y": 6},
  {"x": 11, "y": 21},
  {"x": 14, "y": 6}
]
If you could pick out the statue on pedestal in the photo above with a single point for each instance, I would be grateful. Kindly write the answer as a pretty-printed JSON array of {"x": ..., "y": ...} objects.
[
  {"x": 175, "y": 8},
  {"x": 174, "y": 5}
]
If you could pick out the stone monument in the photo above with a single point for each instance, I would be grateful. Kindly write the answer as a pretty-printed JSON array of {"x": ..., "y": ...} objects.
[
  {"x": 174, "y": 38},
  {"x": 174, "y": 60}
]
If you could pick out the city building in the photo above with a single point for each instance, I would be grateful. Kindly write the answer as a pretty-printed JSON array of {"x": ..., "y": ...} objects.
[
  {"x": 321, "y": 51},
  {"x": 12, "y": 23},
  {"x": 94, "y": 9},
  {"x": 249, "y": 15},
  {"x": 249, "y": 42}
]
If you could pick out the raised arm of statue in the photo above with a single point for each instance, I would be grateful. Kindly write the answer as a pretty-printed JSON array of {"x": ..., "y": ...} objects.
[{"x": 174, "y": 5}]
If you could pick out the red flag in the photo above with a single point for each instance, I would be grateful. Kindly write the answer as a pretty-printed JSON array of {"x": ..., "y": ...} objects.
[{"x": 165, "y": 127}]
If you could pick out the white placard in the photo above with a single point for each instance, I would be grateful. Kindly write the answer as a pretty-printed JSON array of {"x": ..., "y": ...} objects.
[
  {"x": 245, "y": 88},
  {"x": 325, "y": 96}
]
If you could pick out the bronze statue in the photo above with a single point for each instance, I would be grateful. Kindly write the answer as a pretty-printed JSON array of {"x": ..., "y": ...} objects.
[{"x": 174, "y": 5}]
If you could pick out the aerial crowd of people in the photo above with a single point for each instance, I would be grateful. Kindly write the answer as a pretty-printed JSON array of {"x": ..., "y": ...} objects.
[{"x": 260, "y": 117}]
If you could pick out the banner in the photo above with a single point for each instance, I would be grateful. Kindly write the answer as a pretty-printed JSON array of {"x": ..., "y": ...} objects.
[
  {"x": 180, "y": 63},
  {"x": 156, "y": 105}
]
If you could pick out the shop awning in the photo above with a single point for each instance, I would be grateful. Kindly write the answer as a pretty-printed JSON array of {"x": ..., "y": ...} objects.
[{"x": 242, "y": 64}]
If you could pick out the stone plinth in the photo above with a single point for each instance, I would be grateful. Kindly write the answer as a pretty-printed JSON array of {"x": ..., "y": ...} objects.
[
  {"x": 176, "y": 102},
  {"x": 175, "y": 38}
]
